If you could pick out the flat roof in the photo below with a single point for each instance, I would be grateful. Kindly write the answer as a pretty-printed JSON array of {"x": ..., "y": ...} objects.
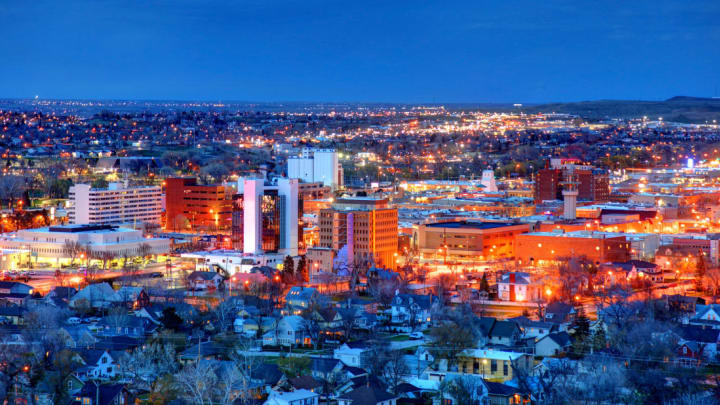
[{"x": 472, "y": 225}]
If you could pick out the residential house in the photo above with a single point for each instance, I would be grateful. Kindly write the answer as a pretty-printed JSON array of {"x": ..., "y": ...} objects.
[
  {"x": 125, "y": 325},
  {"x": 503, "y": 394},
  {"x": 297, "y": 397},
  {"x": 534, "y": 329},
  {"x": 300, "y": 298},
  {"x": 506, "y": 333},
  {"x": 352, "y": 353},
  {"x": 494, "y": 365},
  {"x": 411, "y": 309},
  {"x": 325, "y": 368},
  {"x": 290, "y": 331},
  {"x": 15, "y": 292},
  {"x": 553, "y": 344},
  {"x": 133, "y": 297},
  {"x": 77, "y": 336},
  {"x": 12, "y": 315},
  {"x": 99, "y": 295},
  {"x": 111, "y": 394},
  {"x": 518, "y": 286},
  {"x": 367, "y": 395},
  {"x": 204, "y": 280},
  {"x": 707, "y": 315},
  {"x": 703, "y": 337},
  {"x": 559, "y": 313},
  {"x": 97, "y": 364}
]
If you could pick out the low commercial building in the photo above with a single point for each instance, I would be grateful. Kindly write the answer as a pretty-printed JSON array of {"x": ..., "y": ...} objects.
[
  {"x": 540, "y": 248},
  {"x": 469, "y": 239},
  {"x": 58, "y": 244}
]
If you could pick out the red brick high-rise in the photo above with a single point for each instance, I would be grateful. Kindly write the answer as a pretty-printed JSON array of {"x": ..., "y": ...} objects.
[
  {"x": 593, "y": 182},
  {"x": 189, "y": 205}
]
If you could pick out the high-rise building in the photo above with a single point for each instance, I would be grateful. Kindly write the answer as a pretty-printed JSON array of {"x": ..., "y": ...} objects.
[
  {"x": 316, "y": 165},
  {"x": 189, "y": 205},
  {"x": 116, "y": 204},
  {"x": 592, "y": 183},
  {"x": 367, "y": 226},
  {"x": 265, "y": 216}
]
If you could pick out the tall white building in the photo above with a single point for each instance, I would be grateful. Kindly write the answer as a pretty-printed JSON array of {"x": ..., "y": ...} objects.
[
  {"x": 316, "y": 165},
  {"x": 117, "y": 204}
]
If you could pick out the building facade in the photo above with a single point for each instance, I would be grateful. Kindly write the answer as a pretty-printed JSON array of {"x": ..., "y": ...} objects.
[
  {"x": 539, "y": 248},
  {"x": 468, "y": 239},
  {"x": 116, "y": 204},
  {"x": 367, "y": 226},
  {"x": 190, "y": 206},
  {"x": 593, "y": 184},
  {"x": 316, "y": 165},
  {"x": 50, "y": 244}
]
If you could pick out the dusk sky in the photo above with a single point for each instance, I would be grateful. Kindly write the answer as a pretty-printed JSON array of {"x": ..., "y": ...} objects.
[{"x": 384, "y": 51}]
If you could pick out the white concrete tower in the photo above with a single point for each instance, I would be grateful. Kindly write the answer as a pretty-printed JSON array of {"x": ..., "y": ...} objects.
[
  {"x": 570, "y": 193},
  {"x": 288, "y": 190},
  {"x": 488, "y": 181},
  {"x": 253, "y": 190}
]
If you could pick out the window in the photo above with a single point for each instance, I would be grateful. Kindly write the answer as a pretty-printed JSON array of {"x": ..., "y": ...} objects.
[
  {"x": 493, "y": 366},
  {"x": 505, "y": 368}
]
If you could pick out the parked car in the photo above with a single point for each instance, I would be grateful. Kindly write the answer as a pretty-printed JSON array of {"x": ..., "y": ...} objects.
[{"x": 416, "y": 335}]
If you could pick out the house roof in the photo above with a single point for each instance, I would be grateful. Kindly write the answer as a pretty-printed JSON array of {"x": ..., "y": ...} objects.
[
  {"x": 92, "y": 356},
  {"x": 499, "y": 389},
  {"x": 107, "y": 393},
  {"x": 267, "y": 372},
  {"x": 422, "y": 301},
  {"x": 204, "y": 275},
  {"x": 696, "y": 333},
  {"x": 638, "y": 264},
  {"x": 504, "y": 328},
  {"x": 323, "y": 365},
  {"x": 305, "y": 382},
  {"x": 562, "y": 339},
  {"x": 367, "y": 396}
]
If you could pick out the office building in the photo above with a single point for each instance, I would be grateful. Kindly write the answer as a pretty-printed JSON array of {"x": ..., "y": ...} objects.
[
  {"x": 316, "y": 165},
  {"x": 592, "y": 183},
  {"x": 191, "y": 206},
  {"x": 540, "y": 248},
  {"x": 48, "y": 244},
  {"x": 469, "y": 240},
  {"x": 116, "y": 204},
  {"x": 367, "y": 226},
  {"x": 265, "y": 216}
]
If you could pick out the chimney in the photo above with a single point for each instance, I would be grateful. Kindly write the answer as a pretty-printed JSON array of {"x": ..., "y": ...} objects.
[{"x": 512, "y": 277}]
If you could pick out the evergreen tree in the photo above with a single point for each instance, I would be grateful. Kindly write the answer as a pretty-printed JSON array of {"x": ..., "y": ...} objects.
[
  {"x": 302, "y": 269},
  {"x": 599, "y": 341},
  {"x": 700, "y": 270},
  {"x": 289, "y": 267},
  {"x": 484, "y": 285},
  {"x": 581, "y": 325}
]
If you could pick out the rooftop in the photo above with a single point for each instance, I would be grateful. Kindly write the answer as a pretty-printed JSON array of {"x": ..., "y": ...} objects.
[{"x": 470, "y": 225}]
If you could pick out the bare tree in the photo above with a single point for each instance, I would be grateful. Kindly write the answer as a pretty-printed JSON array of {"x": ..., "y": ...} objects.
[
  {"x": 197, "y": 381},
  {"x": 73, "y": 250},
  {"x": 395, "y": 369}
]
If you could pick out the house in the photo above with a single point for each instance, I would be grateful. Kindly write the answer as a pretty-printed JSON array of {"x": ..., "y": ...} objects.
[
  {"x": 330, "y": 322},
  {"x": 518, "y": 286},
  {"x": 495, "y": 365},
  {"x": 367, "y": 395},
  {"x": 60, "y": 296},
  {"x": 352, "y": 353},
  {"x": 97, "y": 364},
  {"x": 324, "y": 368},
  {"x": 14, "y": 287},
  {"x": 290, "y": 331},
  {"x": 12, "y": 315},
  {"x": 99, "y": 295},
  {"x": 534, "y": 329},
  {"x": 204, "y": 280},
  {"x": 76, "y": 336},
  {"x": 503, "y": 394},
  {"x": 133, "y": 297},
  {"x": 506, "y": 333},
  {"x": 306, "y": 382},
  {"x": 704, "y": 337},
  {"x": 559, "y": 312},
  {"x": 637, "y": 269},
  {"x": 297, "y": 397},
  {"x": 125, "y": 325},
  {"x": 411, "y": 309},
  {"x": 300, "y": 298},
  {"x": 553, "y": 344},
  {"x": 691, "y": 352},
  {"x": 708, "y": 315},
  {"x": 111, "y": 394}
]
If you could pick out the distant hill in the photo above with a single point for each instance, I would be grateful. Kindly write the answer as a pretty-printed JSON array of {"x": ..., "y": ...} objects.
[{"x": 676, "y": 109}]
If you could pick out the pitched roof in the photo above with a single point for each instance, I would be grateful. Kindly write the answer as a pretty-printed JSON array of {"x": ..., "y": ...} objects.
[
  {"x": 305, "y": 382},
  {"x": 495, "y": 388},
  {"x": 561, "y": 338},
  {"x": 695, "y": 333},
  {"x": 205, "y": 275},
  {"x": 367, "y": 396},
  {"x": 504, "y": 328}
]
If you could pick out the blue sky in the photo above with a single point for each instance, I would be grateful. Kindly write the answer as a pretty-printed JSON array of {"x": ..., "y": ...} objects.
[{"x": 385, "y": 51}]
